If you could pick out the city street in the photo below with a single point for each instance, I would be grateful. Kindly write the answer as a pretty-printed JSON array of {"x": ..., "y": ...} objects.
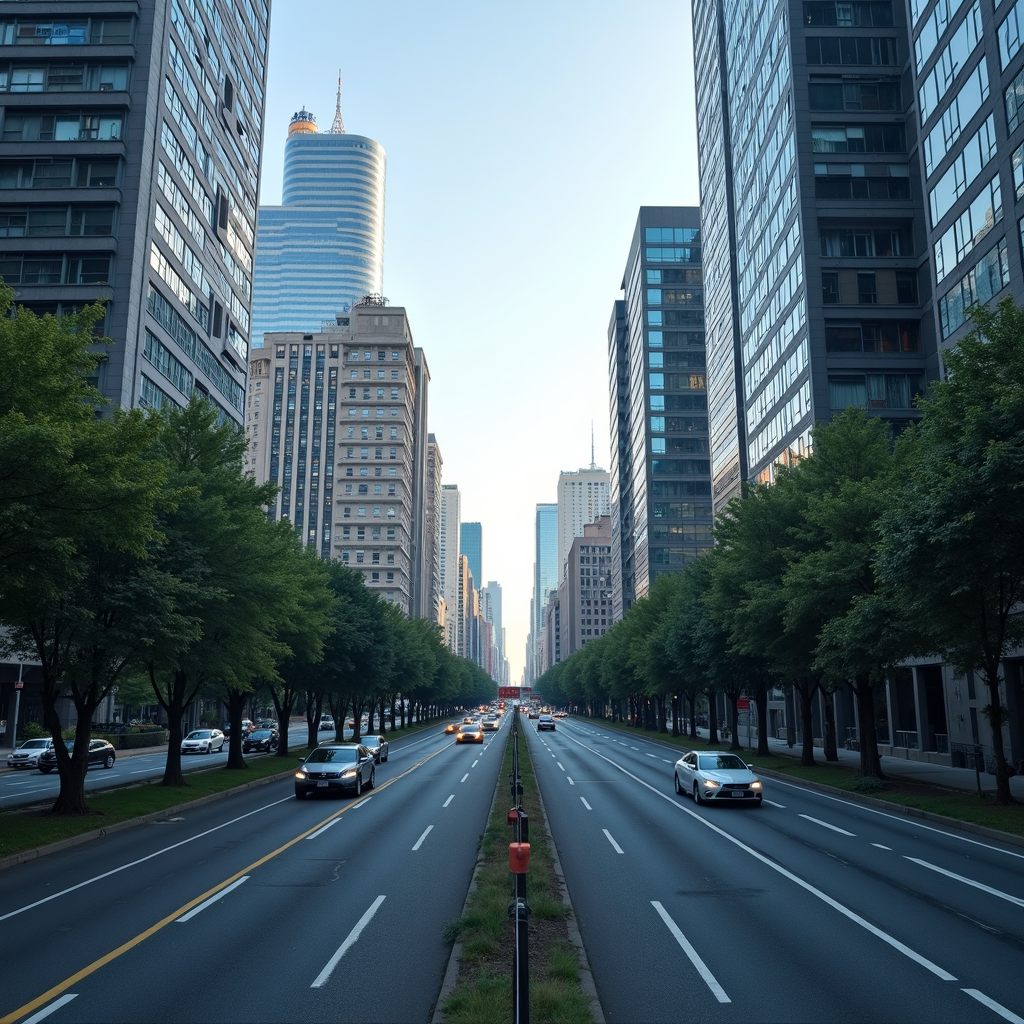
[
  {"x": 258, "y": 907},
  {"x": 810, "y": 908}
]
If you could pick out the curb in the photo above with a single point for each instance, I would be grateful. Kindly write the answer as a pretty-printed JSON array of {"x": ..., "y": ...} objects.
[{"x": 24, "y": 856}]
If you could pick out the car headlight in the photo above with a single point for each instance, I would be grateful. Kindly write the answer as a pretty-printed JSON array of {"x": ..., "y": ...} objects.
[
  {"x": 350, "y": 774},
  {"x": 710, "y": 783},
  {"x": 756, "y": 784},
  {"x": 300, "y": 775}
]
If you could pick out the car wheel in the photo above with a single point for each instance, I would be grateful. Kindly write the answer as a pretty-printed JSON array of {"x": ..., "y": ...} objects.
[
  {"x": 209, "y": 748},
  {"x": 108, "y": 761},
  {"x": 46, "y": 771},
  {"x": 679, "y": 786},
  {"x": 696, "y": 794},
  {"x": 359, "y": 784},
  {"x": 373, "y": 778}
]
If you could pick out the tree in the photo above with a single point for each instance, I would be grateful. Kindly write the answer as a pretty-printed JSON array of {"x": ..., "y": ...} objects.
[{"x": 953, "y": 544}]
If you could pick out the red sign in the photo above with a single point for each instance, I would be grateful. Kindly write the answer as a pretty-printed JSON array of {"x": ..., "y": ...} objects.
[
  {"x": 19, "y": 686},
  {"x": 742, "y": 703},
  {"x": 508, "y": 692}
]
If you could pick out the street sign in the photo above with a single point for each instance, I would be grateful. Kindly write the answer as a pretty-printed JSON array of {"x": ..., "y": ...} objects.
[
  {"x": 19, "y": 686},
  {"x": 508, "y": 692},
  {"x": 742, "y": 703}
]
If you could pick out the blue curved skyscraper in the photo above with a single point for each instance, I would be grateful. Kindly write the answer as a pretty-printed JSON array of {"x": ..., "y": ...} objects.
[{"x": 322, "y": 249}]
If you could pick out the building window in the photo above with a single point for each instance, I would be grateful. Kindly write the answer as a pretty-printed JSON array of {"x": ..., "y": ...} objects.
[
  {"x": 866, "y": 290},
  {"x": 829, "y": 288}
]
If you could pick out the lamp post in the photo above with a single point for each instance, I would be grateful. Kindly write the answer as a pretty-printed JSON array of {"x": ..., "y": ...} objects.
[{"x": 18, "y": 687}]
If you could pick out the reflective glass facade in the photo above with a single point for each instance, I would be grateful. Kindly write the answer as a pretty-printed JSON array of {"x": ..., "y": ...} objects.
[
  {"x": 322, "y": 249},
  {"x": 545, "y": 576},
  {"x": 661, "y": 487}
]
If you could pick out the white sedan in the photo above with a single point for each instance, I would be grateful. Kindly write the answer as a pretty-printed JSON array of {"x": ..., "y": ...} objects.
[
  {"x": 202, "y": 741},
  {"x": 716, "y": 776}
]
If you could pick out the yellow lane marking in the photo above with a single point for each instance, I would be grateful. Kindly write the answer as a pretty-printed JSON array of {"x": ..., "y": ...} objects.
[{"x": 64, "y": 985}]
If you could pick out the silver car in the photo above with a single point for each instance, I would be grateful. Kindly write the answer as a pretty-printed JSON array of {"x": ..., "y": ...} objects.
[
  {"x": 723, "y": 778},
  {"x": 28, "y": 754},
  {"x": 336, "y": 767},
  {"x": 203, "y": 741}
]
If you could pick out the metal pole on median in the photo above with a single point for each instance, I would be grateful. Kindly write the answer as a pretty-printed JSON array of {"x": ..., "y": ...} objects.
[
  {"x": 18, "y": 687},
  {"x": 519, "y": 911}
]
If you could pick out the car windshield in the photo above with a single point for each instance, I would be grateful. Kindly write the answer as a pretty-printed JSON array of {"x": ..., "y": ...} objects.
[
  {"x": 721, "y": 762},
  {"x": 34, "y": 744},
  {"x": 324, "y": 754},
  {"x": 259, "y": 734},
  {"x": 470, "y": 728},
  {"x": 198, "y": 735}
]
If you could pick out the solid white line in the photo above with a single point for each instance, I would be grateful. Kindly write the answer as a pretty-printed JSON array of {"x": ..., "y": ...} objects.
[
  {"x": 825, "y": 824},
  {"x": 585, "y": 804},
  {"x": 795, "y": 879},
  {"x": 969, "y": 881},
  {"x": 702, "y": 969},
  {"x": 781, "y": 807},
  {"x": 902, "y": 820},
  {"x": 571, "y": 783},
  {"x": 353, "y": 935},
  {"x": 142, "y": 860},
  {"x": 881, "y": 847},
  {"x": 560, "y": 765},
  {"x": 213, "y": 899},
  {"x": 14, "y": 796},
  {"x": 321, "y": 831},
  {"x": 419, "y": 842},
  {"x": 55, "y": 1005},
  {"x": 449, "y": 800},
  {"x": 615, "y": 845},
  {"x": 464, "y": 777},
  {"x": 974, "y": 994}
]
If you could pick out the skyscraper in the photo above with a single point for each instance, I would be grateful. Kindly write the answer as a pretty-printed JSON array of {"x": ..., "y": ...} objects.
[
  {"x": 583, "y": 495},
  {"x": 818, "y": 140},
  {"x": 659, "y": 405},
  {"x": 451, "y": 511},
  {"x": 322, "y": 249},
  {"x": 332, "y": 421},
  {"x": 471, "y": 545},
  {"x": 545, "y": 579},
  {"x": 129, "y": 172}
]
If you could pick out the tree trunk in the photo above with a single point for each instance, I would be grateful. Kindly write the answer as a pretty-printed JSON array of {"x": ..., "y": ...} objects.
[
  {"x": 174, "y": 703},
  {"x": 693, "y": 714},
  {"x": 357, "y": 714},
  {"x": 734, "y": 725},
  {"x": 401, "y": 711},
  {"x": 284, "y": 708},
  {"x": 761, "y": 701},
  {"x": 73, "y": 766},
  {"x": 676, "y": 704},
  {"x": 996, "y": 715},
  {"x": 806, "y": 692},
  {"x": 236, "y": 710},
  {"x": 870, "y": 762},
  {"x": 829, "y": 701},
  {"x": 712, "y": 719}
]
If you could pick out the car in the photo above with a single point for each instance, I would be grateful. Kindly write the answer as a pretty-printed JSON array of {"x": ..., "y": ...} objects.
[
  {"x": 716, "y": 776},
  {"x": 260, "y": 739},
  {"x": 326, "y": 723},
  {"x": 534, "y": 713},
  {"x": 100, "y": 752},
  {"x": 450, "y": 728},
  {"x": 28, "y": 754},
  {"x": 545, "y": 722},
  {"x": 468, "y": 720},
  {"x": 377, "y": 745},
  {"x": 205, "y": 741},
  {"x": 489, "y": 724},
  {"x": 335, "y": 767},
  {"x": 471, "y": 733}
]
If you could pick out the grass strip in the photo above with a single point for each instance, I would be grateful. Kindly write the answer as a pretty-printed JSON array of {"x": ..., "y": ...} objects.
[
  {"x": 483, "y": 992},
  {"x": 28, "y": 828},
  {"x": 901, "y": 793}
]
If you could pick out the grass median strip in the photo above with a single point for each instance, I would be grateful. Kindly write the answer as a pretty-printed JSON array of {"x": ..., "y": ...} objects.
[
  {"x": 901, "y": 793},
  {"x": 483, "y": 992}
]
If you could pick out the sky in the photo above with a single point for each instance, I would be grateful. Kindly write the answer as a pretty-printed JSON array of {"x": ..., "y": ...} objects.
[{"x": 521, "y": 141}]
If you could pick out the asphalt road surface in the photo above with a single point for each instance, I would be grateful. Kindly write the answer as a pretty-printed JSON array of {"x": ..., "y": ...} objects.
[
  {"x": 258, "y": 907},
  {"x": 809, "y": 908}
]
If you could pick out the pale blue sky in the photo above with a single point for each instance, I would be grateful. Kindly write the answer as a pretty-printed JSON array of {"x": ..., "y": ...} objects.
[{"x": 521, "y": 140}]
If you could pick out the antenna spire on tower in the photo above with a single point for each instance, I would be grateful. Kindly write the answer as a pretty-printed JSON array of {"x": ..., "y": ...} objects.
[
  {"x": 338, "y": 128},
  {"x": 593, "y": 464}
]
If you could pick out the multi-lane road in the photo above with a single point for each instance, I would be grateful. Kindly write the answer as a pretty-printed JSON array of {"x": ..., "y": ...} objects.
[
  {"x": 258, "y": 907},
  {"x": 809, "y": 908},
  {"x": 263, "y": 908}
]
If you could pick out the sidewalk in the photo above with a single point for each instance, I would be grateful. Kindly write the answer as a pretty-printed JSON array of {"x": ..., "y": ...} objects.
[{"x": 901, "y": 768}]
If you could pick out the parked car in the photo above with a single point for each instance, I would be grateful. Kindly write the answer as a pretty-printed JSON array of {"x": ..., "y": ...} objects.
[
  {"x": 260, "y": 739},
  {"x": 545, "y": 722},
  {"x": 100, "y": 752},
  {"x": 28, "y": 754},
  {"x": 472, "y": 733},
  {"x": 336, "y": 767},
  {"x": 203, "y": 741},
  {"x": 378, "y": 746},
  {"x": 716, "y": 776},
  {"x": 326, "y": 723}
]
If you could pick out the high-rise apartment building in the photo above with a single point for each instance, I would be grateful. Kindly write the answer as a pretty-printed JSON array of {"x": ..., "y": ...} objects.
[
  {"x": 490, "y": 606},
  {"x": 432, "y": 531},
  {"x": 659, "y": 406},
  {"x": 583, "y": 495},
  {"x": 968, "y": 96},
  {"x": 831, "y": 291},
  {"x": 322, "y": 249},
  {"x": 472, "y": 547},
  {"x": 332, "y": 421},
  {"x": 585, "y": 593},
  {"x": 129, "y": 173},
  {"x": 448, "y": 558}
]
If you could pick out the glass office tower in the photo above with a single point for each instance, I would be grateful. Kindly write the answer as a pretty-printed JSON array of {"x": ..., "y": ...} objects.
[{"x": 322, "y": 249}]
